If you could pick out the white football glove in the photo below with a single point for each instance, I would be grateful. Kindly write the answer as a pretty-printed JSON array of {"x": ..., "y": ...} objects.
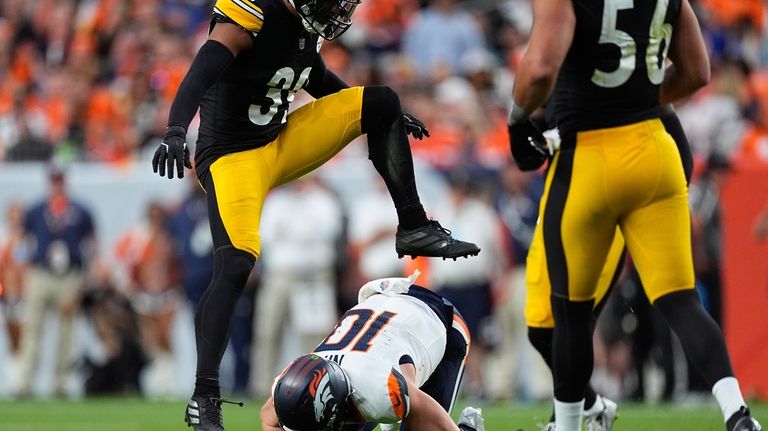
[
  {"x": 471, "y": 417},
  {"x": 391, "y": 286}
]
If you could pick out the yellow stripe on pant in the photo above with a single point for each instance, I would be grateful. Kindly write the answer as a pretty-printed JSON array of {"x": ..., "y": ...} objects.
[{"x": 313, "y": 134}]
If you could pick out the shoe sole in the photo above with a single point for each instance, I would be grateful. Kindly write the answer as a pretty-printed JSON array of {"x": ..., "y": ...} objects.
[{"x": 402, "y": 253}]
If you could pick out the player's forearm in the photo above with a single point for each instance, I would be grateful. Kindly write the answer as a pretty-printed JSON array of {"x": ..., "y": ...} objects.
[
  {"x": 533, "y": 84},
  {"x": 211, "y": 61},
  {"x": 551, "y": 37},
  {"x": 432, "y": 418}
]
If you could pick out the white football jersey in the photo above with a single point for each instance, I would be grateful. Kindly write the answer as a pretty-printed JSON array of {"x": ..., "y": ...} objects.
[{"x": 374, "y": 338}]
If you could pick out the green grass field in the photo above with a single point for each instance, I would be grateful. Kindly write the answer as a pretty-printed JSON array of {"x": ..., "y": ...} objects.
[{"x": 118, "y": 414}]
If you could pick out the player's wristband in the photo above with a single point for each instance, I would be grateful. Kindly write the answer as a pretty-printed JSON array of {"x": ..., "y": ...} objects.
[
  {"x": 516, "y": 115},
  {"x": 176, "y": 131}
]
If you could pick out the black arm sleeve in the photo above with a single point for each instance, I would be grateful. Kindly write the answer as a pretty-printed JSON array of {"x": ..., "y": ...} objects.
[
  {"x": 211, "y": 61},
  {"x": 322, "y": 81}
]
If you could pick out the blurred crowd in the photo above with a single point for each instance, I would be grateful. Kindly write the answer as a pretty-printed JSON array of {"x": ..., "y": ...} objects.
[{"x": 92, "y": 80}]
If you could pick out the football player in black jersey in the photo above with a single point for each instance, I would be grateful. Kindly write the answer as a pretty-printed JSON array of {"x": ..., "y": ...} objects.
[
  {"x": 604, "y": 67},
  {"x": 259, "y": 53}
]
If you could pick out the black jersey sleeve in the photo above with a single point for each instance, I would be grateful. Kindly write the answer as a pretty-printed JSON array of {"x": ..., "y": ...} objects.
[
  {"x": 211, "y": 61},
  {"x": 322, "y": 81}
]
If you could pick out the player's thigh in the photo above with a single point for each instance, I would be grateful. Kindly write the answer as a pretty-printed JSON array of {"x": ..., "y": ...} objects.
[
  {"x": 236, "y": 187},
  {"x": 578, "y": 223},
  {"x": 316, "y": 132},
  {"x": 658, "y": 236}
]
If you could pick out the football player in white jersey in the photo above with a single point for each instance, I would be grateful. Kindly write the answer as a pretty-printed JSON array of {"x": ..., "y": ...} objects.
[{"x": 397, "y": 356}]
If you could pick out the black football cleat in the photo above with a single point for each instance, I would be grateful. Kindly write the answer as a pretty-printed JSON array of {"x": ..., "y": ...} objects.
[
  {"x": 432, "y": 240},
  {"x": 742, "y": 421},
  {"x": 204, "y": 413}
]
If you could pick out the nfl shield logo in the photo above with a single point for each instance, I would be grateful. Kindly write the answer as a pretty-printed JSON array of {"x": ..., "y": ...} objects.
[{"x": 302, "y": 42}]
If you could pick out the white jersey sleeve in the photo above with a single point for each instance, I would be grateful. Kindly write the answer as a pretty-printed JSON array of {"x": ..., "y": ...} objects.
[{"x": 380, "y": 396}]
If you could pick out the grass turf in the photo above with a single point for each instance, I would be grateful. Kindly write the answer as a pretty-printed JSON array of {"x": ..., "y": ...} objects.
[{"x": 132, "y": 414}]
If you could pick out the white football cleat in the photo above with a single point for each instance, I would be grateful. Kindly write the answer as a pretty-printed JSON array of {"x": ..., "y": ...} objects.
[
  {"x": 549, "y": 427},
  {"x": 602, "y": 415}
]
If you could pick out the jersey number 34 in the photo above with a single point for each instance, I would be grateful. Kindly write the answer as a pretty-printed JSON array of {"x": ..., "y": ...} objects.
[
  {"x": 282, "y": 88},
  {"x": 654, "y": 59}
]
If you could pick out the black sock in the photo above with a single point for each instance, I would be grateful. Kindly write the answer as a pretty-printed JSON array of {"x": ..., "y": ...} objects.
[
  {"x": 207, "y": 387},
  {"x": 590, "y": 397},
  {"x": 390, "y": 152},
  {"x": 572, "y": 354},
  {"x": 541, "y": 340},
  {"x": 412, "y": 217},
  {"x": 700, "y": 336},
  {"x": 213, "y": 317}
]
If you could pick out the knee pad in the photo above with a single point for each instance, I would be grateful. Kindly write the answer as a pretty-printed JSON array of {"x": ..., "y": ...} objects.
[{"x": 381, "y": 107}]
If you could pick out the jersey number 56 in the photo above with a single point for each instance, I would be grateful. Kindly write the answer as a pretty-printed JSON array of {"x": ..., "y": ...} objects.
[{"x": 654, "y": 59}]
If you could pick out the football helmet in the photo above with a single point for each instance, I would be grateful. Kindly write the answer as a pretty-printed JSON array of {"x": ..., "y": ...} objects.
[
  {"x": 327, "y": 18},
  {"x": 312, "y": 394}
]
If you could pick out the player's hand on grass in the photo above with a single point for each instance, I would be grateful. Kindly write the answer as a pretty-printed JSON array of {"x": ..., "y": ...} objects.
[
  {"x": 172, "y": 153},
  {"x": 414, "y": 126},
  {"x": 527, "y": 143}
]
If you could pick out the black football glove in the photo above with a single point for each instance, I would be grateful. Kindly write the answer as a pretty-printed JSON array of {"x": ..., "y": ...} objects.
[
  {"x": 528, "y": 145},
  {"x": 172, "y": 152},
  {"x": 414, "y": 127}
]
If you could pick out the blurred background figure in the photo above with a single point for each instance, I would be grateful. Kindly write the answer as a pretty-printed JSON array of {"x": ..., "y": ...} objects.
[
  {"x": 153, "y": 285},
  {"x": 296, "y": 305},
  {"x": 707, "y": 232},
  {"x": 470, "y": 283},
  {"x": 14, "y": 255},
  {"x": 188, "y": 226},
  {"x": 372, "y": 226},
  {"x": 438, "y": 36},
  {"x": 519, "y": 371},
  {"x": 113, "y": 364},
  {"x": 61, "y": 232}
]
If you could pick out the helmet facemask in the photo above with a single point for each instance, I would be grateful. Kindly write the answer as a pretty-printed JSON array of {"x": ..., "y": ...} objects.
[{"x": 327, "y": 18}]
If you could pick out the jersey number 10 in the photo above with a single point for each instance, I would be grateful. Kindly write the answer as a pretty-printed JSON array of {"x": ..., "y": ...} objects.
[
  {"x": 359, "y": 318},
  {"x": 654, "y": 59}
]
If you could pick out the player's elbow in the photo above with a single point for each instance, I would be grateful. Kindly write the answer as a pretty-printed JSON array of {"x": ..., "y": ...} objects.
[
  {"x": 699, "y": 77},
  {"x": 697, "y": 74}
]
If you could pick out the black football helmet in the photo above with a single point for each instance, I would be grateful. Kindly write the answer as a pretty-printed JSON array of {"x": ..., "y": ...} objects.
[
  {"x": 312, "y": 394},
  {"x": 327, "y": 18}
]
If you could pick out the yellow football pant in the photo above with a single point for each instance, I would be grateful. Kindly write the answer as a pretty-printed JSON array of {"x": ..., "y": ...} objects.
[
  {"x": 313, "y": 134},
  {"x": 629, "y": 178}
]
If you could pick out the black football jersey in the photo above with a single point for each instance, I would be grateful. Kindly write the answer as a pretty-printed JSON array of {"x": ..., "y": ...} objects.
[
  {"x": 613, "y": 71},
  {"x": 247, "y": 107}
]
